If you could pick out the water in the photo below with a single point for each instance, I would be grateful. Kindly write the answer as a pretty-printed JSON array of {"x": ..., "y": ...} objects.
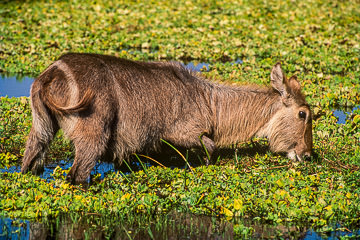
[
  {"x": 198, "y": 67},
  {"x": 338, "y": 234},
  {"x": 11, "y": 229},
  {"x": 100, "y": 168},
  {"x": 15, "y": 86},
  {"x": 171, "y": 226},
  {"x": 238, "y": 61},
  {"x": 342, "y": 114},
  {"x": 205, "y": 67}
]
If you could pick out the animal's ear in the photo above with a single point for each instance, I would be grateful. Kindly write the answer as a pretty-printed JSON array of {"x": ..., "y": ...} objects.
[
  {"x": 294, "y": 85},
  {"x": 278, "y": 80}
]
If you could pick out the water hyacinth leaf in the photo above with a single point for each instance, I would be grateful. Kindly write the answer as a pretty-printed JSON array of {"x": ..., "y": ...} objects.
[
  {"x": 356, "y": 119},
  {"x": 321, "y": 48},
  {"x": 228, "y": 213},
  {"x": 238, "y": 204}
]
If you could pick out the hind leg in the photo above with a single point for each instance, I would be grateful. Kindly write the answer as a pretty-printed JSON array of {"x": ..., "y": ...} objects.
[
  {"x": 85, "y": 160},
  {"x": 89, "y": 148},
  {"x": 36, "y": 147}
]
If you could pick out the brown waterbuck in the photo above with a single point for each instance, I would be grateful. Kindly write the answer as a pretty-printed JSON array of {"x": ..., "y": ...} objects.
[{"x": 115, "y": 107}]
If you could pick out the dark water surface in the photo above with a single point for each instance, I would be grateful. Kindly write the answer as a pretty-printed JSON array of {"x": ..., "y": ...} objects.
[{"x": 171, "y": 226}]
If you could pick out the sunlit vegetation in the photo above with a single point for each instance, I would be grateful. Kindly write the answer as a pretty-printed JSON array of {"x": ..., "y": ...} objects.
[{"x": 316, "y": 40}]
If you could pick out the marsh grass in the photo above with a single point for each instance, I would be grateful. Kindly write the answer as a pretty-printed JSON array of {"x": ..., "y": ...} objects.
[
  {"x": 182, "y": 156},
  {"x": 316, "y": 40},
  {"x": 142, "y": 165},
  {"x": 248, "y": 181}
]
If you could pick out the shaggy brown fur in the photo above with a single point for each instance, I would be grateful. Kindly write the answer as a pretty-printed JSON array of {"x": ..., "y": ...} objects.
[{"x": 113, "y": 106}]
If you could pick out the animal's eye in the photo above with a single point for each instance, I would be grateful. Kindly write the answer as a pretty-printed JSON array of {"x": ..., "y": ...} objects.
[{"x": 302, "y": 115}]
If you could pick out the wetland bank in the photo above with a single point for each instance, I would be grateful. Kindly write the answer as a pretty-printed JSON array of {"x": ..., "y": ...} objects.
[{"x": 319, "y": 40}]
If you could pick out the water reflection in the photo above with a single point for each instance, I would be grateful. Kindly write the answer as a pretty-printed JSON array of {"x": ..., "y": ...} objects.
[
  {"x": 340, "y": 115},
  {"x": 90, "y": 226},
  {"x": 14, "y": 229},
  {"x": 171, "y": 226}
]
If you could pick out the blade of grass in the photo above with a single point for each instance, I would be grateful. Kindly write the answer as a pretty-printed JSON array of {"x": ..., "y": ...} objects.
[
  {"x": 217, "y": 160},
  {"x": 127, "y": 164},
  {"x": 152, "y": 160},
  {"x": 236, "y": 158},
  {"x": 180, "y": 155},
  {"x": 200, "y": 160},
  {"x": 127, "y": 233},
  {"x": 150, "y": 233},
  {"x": 123, "y": 174},
  {"x": 143, "y": 166},
  {"x": 184, "y": 186},
  {"x": 202, "y": 143}
]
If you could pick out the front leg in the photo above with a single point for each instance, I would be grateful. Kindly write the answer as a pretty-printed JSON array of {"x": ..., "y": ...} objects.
[{"x": 209, "y": 147}]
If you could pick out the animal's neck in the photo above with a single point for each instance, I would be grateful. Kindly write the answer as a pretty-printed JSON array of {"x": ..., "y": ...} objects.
[{"x": 241, "y": 112}]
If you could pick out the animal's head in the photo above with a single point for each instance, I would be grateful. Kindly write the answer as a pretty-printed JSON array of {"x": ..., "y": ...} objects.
[{"x": 290, "y": 129}]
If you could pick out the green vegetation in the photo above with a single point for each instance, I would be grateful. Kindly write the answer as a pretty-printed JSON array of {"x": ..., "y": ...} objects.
[
  {"x": 15, "y": 117},
  {"x": 316, "y": 40}
]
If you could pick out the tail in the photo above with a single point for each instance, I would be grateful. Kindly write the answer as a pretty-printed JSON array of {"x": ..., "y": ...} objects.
[
  {"x": 82, "y": 105},
  {"x": 45, "y": 80}
]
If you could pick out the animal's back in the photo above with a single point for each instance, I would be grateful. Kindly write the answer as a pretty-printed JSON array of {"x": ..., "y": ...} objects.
[
  {"x": 148, "y": 100},
  {"x": 107, "y": 74}
]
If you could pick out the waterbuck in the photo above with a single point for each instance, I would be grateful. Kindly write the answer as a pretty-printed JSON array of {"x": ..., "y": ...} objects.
[{"x": 115, "y": 107}]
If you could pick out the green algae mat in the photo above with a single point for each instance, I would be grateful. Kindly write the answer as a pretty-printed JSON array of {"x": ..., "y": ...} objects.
[{"x": 319, "y": 41}]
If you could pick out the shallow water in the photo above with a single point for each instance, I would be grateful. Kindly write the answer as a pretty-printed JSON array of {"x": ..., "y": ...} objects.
[
  {"x": 100, "y": 168},
  {"x": 204, "y": 66},
  {"x": 342, "y": 114},
  {"x": 15, "y": 86},
  {"x": 170, "y": 226},
  {"x": 198, "y": 67}
]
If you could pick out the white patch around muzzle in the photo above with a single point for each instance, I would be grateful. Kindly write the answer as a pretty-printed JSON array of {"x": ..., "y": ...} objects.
[{"x": 293, "y": 156}]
